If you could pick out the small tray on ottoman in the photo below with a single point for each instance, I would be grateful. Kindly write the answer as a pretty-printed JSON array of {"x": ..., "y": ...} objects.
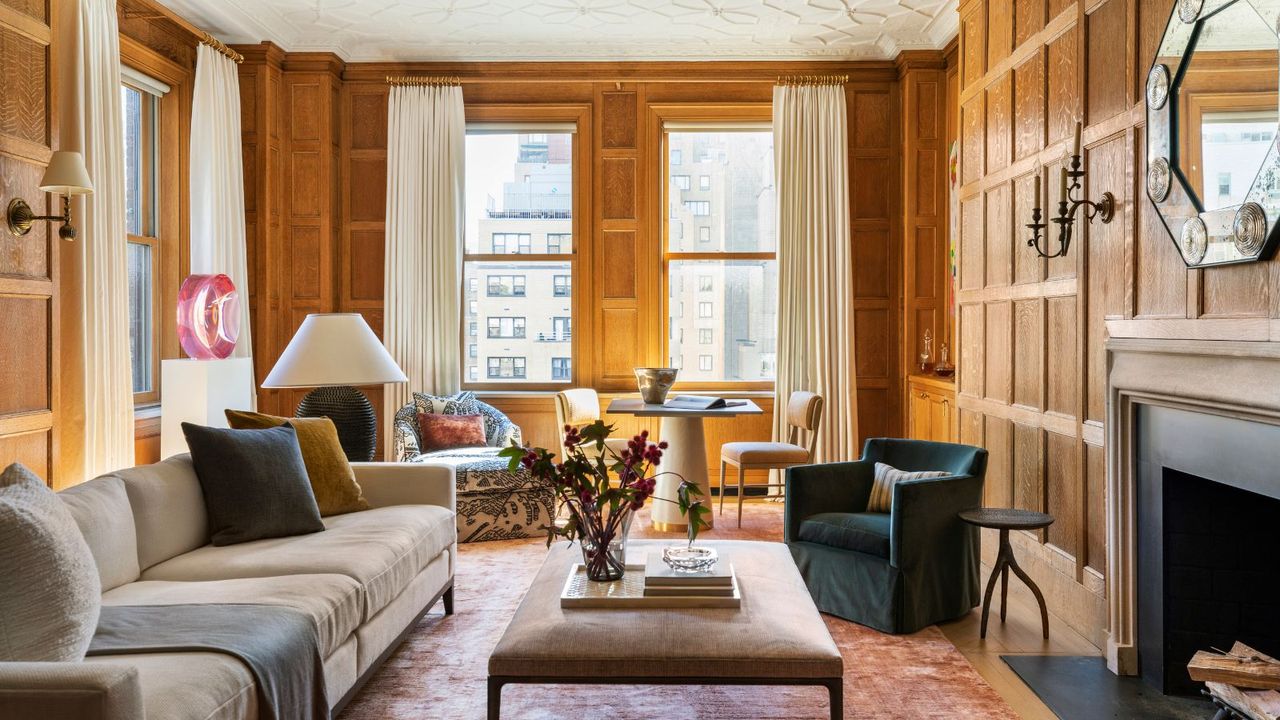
[{"x": 628, "y": 593}]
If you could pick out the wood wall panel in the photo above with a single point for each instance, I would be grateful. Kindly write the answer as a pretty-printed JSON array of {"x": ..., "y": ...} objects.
[
  {"x": 1070, "y": 60},
  {"x": 998, "y": 436},
  {"x": 30, "y": 322},
  {"x": 620, "y": 177},
  {"x": 999, "y": 127},
  {"x": 618, "y": 114},
  {"x": 998, "y": 261}
]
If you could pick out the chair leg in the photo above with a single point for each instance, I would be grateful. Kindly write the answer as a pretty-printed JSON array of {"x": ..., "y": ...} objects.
[
  {"x": 742, "y": 472},
  {"x": 722, "y": 466}
]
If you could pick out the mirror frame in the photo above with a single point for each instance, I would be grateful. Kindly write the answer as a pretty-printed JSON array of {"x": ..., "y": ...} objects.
[{"x": 1245, "y": 225}]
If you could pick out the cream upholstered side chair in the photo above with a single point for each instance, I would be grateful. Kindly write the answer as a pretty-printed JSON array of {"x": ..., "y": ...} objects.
[
  {"x": 804, "y": 413},
  {"x": 578, "y": 407}
]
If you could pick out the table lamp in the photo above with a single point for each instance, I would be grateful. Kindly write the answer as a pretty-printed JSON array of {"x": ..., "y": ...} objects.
[{"x": 333, "y": 352}]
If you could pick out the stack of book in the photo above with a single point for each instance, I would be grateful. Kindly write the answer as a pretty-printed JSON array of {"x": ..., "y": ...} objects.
[{"x": 662, "y": 581}]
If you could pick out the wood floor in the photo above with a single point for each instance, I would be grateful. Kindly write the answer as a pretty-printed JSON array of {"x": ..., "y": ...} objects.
[{"x": 1018, "y": 635}]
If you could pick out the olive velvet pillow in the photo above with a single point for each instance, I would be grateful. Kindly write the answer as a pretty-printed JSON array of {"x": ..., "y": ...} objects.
[
  {"x": 254, "y": 483},
  {"x": 332, "y": 480}
]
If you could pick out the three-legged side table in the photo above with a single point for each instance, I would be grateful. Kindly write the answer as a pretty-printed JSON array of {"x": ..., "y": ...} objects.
[{"x": 1004, "y": 520}]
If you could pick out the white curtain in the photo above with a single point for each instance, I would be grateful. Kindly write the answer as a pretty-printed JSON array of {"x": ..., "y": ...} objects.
[
  {"x": 217, "y": 187},
  {"x": 426, "y": 138},
  {"x": 815, "y": 263},
  {"x": 108, "y": 380},
  {"x": 217, "y": 180}
]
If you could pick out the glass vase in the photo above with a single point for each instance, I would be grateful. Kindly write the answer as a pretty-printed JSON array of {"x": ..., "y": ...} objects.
[{"x": 606, "y": 559}]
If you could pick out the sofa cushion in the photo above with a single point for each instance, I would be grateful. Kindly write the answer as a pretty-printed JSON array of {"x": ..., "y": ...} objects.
[
  {"x": 168, "y": 509},
  {"x": 332, "y": 480},
  {"x": 254, "y": 481},
  {"x": 382, "y": 549},
  {"x": 102, "y": 511},
  {"x": 333, "y": 602},
  {"x": 49, "y": 588},
  {"x": 191, "y": 685},
  {"x": 864, "y": 532}
]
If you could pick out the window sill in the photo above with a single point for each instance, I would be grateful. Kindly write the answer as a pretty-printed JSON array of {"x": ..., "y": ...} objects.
[{"x": 147, "y": 411}]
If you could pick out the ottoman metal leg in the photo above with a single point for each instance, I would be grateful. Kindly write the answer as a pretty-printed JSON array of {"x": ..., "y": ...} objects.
[{"x": 495, "y": 698}]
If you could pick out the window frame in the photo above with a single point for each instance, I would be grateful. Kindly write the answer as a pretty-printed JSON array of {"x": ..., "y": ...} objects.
[
  {"x": 153, "y": 229},
  {"x": 521, "y": 117},
  {"x": 685, "y": 118}
]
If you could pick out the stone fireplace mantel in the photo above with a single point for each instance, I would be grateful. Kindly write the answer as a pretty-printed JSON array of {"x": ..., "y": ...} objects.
[{"x": 1239, "y": 380}]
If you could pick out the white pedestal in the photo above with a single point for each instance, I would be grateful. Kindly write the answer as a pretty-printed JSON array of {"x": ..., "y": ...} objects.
[
  {"x": 686, "y": 456},
  {"x": 197, "y": 391}
]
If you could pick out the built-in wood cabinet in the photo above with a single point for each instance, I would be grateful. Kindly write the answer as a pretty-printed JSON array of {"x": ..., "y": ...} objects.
[{"x": 931, "y": 403}]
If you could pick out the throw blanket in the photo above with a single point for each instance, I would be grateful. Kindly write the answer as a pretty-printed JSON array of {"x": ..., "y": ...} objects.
[{"x": 278, "y": 644}]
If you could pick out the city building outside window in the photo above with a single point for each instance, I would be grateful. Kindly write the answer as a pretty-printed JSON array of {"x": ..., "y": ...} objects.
[
  {"x": 729, "y": 268},
  {"x": 519, "y": 224},
  {"x": 680, "y": 182},
  {"x": 141, "y": 153}
]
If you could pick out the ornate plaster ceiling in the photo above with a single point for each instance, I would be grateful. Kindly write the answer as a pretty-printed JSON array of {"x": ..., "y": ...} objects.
[{"x": 371, "y": 30}]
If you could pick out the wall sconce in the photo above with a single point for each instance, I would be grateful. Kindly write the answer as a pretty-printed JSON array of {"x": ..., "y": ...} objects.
[
  {"x": 66, "y": 175},
  {"x": 1103, "y": 210}
]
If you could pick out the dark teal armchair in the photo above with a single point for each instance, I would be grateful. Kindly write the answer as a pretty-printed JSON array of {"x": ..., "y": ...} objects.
[{"x": 896, "y": 572}]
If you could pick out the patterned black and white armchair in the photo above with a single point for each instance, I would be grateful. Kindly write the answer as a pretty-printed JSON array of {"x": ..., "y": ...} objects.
[{"x": 493, "y": 502}]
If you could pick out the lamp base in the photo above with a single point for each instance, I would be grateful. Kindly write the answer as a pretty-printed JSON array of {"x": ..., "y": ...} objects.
[{"x": 352, "y": 415}]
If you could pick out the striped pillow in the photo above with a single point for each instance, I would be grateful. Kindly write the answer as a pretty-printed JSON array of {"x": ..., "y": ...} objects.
[{"x": 886, "y": 477}]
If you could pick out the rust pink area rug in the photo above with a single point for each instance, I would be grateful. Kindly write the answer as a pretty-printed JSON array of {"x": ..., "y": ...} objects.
[{"x": 440, "y": 670}]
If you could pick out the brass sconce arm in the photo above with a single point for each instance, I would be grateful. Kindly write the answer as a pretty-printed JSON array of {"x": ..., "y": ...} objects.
[
  {"x": 20, "y": 217},
  {"x": 1068, "y": 205}
]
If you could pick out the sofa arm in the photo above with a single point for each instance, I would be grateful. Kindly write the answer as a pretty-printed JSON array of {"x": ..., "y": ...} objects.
[
  {"x": 832, "y": 487},
  {"x": 387, "y": 484},
  {"x": 70, "y": 691}
]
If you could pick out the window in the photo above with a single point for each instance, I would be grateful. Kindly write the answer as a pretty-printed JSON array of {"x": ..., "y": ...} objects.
[
  {"x": 504, "y": 243},
  {"x": 141, "y": 153},
  {"x": 559, "y": 243},
  {"x": 729, "y": 267},
  {"x": 506, "y": 327},
  {"x": 698, "y": 208},
  {"x": 519, "y": 203},
  {"x": 506, "y": 286},
  {"x": 561, "y": 286},
  {"x": 1224, "y": 183},
  {"x": 677, "y": 157},
  {"x": 506, "y": 367},
  {"x": 560, "y": 368},
  {"x": 680, "y": 182},
  {"x": 561, "y": 329},
  {"x": 473, "y": 351}
]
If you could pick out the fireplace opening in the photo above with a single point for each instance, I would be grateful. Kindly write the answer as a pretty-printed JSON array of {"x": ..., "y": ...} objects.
[{"x": 1221, "y": 573}]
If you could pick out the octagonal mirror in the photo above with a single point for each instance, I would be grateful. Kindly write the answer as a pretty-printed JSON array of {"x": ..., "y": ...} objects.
[{"x": 1213, "y": 115}]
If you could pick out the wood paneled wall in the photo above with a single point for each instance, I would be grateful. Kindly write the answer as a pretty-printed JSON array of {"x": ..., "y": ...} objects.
[
  {"x": 1032, "y": 333},
  {"x": 29, "y": 317},
  {"x": 317, "y": 215}
]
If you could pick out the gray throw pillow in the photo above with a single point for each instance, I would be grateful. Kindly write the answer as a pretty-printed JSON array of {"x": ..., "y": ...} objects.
[
  {"x": 254, "y": 482},
  {"x": 50, "y": 594}
]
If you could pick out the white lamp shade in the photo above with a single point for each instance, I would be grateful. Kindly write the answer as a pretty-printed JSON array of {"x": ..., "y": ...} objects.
[
  {"x": 334, "y": 349},
  {"x": 66, "y": 174}
]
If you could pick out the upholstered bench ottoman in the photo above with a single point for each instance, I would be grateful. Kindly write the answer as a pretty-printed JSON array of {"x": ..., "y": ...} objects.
[
  {"x": 495, "y": 503},
  {"x": 775, "y": 638}
]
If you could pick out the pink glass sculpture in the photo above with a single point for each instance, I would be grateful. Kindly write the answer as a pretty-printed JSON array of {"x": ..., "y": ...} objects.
[{"x": 208, "y": 316}]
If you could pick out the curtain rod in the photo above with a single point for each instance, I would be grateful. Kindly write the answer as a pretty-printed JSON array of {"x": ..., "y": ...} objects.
[
  {"x": 427, "y": 80},
  {"x": 221, "y": 47},
  {"x": 813, "y": 79}
]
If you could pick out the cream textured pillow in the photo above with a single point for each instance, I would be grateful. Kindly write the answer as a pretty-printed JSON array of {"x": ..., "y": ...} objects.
[
  {"x": 886, "y": 477},
  {"x": 50, "y": 595}
]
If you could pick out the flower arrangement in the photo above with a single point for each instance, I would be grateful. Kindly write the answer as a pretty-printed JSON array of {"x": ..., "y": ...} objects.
[{"x": 600, "y": 511}]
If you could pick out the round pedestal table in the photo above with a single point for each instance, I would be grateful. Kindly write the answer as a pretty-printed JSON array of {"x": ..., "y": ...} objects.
[{"x": 686, "y": 454}]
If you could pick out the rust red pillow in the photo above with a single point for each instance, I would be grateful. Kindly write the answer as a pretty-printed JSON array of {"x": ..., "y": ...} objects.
[{"x": 446, "y": 432}]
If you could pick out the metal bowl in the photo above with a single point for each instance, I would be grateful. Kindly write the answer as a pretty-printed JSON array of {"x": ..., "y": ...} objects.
[{"x": 655, "y": 383}]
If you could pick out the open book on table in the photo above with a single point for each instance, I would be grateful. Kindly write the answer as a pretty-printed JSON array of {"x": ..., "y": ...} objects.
[{"x": 701, "y": 402}]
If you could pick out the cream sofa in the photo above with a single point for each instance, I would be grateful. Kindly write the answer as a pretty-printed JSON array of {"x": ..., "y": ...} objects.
[{"x": 365, "y": 580}]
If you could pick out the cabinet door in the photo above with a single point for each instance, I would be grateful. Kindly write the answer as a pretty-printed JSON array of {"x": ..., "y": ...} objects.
[
  {"x": 921, "y": 415},
  {"x": 940, "y": 418}
]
